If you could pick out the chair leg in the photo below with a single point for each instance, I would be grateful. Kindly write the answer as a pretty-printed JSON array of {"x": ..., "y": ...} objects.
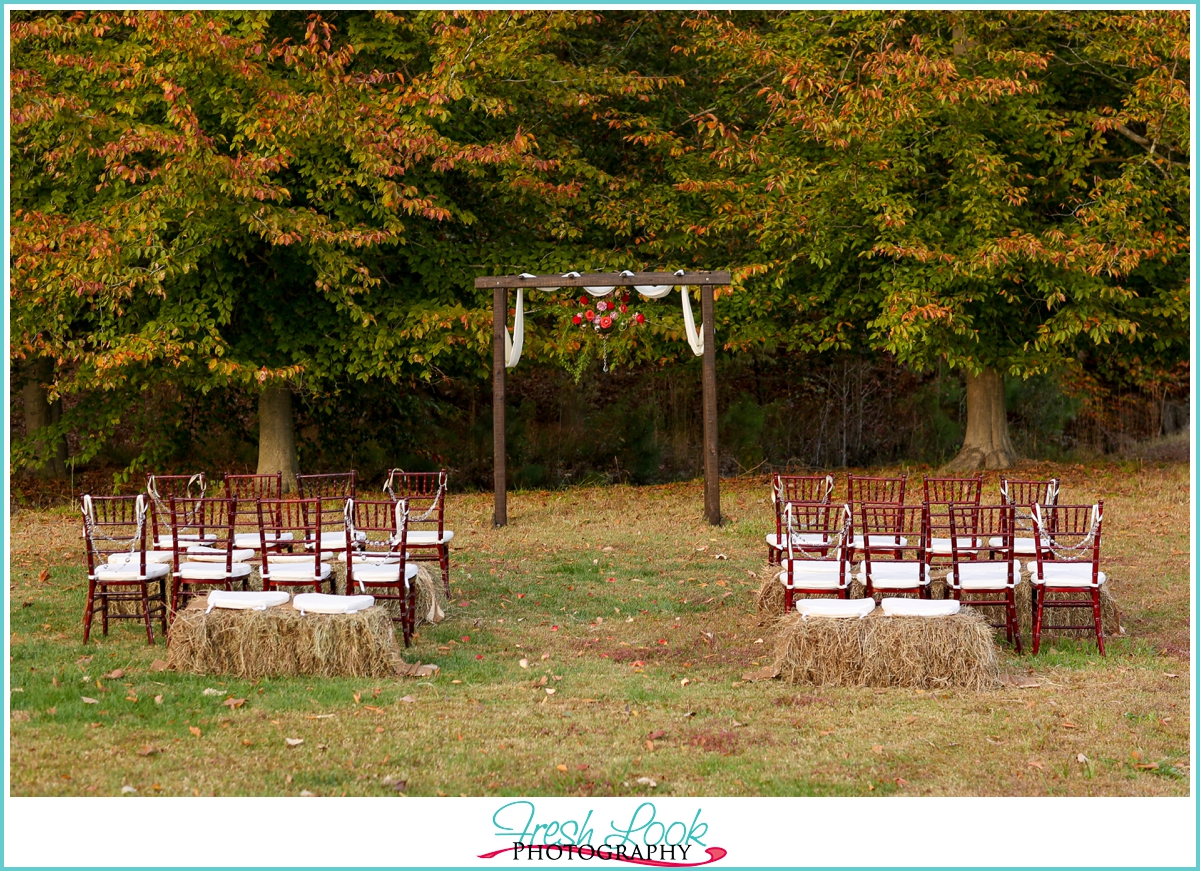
[
  {"x": 104, "y": 610},
  {"x": 87, "y": 610},
  {"x": 1012, "y": 618},
  {"x": 444, "y": 560},
  {"x": 146, "y": 613},
  {"x": 1038, "y": 597},
  {"x": 789, "y": 600},
  {"x": 161, "y": 598},
  {"x": 1097, "y": 620}
]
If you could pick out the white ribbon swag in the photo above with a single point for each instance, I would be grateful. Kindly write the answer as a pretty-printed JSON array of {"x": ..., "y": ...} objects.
[{"x": 514, "y": 341}]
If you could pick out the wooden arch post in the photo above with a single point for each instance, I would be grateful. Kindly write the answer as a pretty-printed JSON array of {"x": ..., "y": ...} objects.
[{"x": 706, "y": 281}]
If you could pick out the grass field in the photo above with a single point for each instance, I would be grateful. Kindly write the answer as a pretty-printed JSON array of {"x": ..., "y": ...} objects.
[{"x": 598, "y": 643}]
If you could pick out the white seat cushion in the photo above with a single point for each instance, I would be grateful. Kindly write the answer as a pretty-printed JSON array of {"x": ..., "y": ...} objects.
[
  {"x": 919, "y": 607},
  {"x": 293, "y": 571},
  {"x": 895, "y": 575},
  {"x": 129, "y": 571},
  {"x": 152, "y": 556},
  {"x": 984, "y": 575},
  {"x": 384, "y": 573},
  {"x": 803, "y": 539},
  {"x": 835, "y": 607},
  {"x": 1063, "y": 574},
  {"x": 323, "y": 603},
  {"x": 941, "y": 546},
  {"x": 168, "y": 540},
  {"x": 212, "y": 571},
  {"x": 880, "y": 541},
  {"x": 245, "y": 601},
  {"x": 1021, "y": 546},
  {"x": 427, "y": 537},
  {"x": 815, "y": 575},
  {"x": 252, "y": 539},
  {"x": 334, "y": 541},
  {"x": 203, "y": 554},
  {"x": 377, "y": 557}
]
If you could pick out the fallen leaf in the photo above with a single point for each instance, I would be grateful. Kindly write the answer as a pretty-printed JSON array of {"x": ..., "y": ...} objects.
[
  {"x": 466, "y": 638},
  {"x": 646, "y": 781},
  {"x": 656, "y": 734},
  {"x": 127, "y": 790},
  {"x": 1081, "y": 758},
  {"x": 115, "y": 674},
  {"x": 84, "y": 660},
  {"x": 246, "y": 742},
  {"x": 900, "y": 781},
  {"x": 158, "y": 700},
  {"x": 561, "y": 767},
  {"x": 1147, "y": 766},
  {"x": 767, "y": 672},
  {"x": 323, "y": 716},
  {"x": 650, "y": 746},
  {"x": 379, "y": 730},
  {"x": 357, "y": 698},
  {"x": 293, "y": 742},
  {"x": 685, "y": 681},
  {"x": 524, "y": 663},
  {"x": 550, "y": 691},
  {"x": 758, "y": 641},
  {"x": 826, "y": 733},
  {"x": 408, "y": 699},
  {"x": 1035, "y": 764},
  {"x": 149, "y": 751},
  {"x": 233, "y": 704},
  {"x": 583, "y": 767},
  {"x": 209, "y": 691},
  {"x": 1168, "y": 674},
  {"x": 878, "y": 748},
  {"x": 545, "y": 656},
  {"x": 88, "y": 701},
  {"x": 195, "y": 730},
  {"x": 1066, "y": 724},
  {"x": 131, "y": 698},
  {"x": 158, "y": 665},
  {"x": 306, "y": 794}
]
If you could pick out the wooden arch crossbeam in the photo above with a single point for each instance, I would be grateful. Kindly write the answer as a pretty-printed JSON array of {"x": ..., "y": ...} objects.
[{"x": 501, "y": 284}]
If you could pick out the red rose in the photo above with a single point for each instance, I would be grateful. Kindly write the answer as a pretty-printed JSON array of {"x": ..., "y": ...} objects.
[
  {"x": 583, "y": 300},
  {"x": 606, "y": 322},
  {"x": 624, "y": 308},
  {"x": 590, "y": 315},
  {"x": 640, "y": 318},
  {"x": 577, "y": 320}
]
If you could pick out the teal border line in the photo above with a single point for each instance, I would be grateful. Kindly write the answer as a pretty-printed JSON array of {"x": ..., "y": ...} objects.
[{"x": 5, "y": 389}]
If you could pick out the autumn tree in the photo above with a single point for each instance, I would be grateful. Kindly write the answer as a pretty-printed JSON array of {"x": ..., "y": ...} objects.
[{"x": 983, "y": 189}]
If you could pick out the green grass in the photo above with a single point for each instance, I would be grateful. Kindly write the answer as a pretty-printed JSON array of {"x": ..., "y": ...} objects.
[{"x": 615, "y": 597}]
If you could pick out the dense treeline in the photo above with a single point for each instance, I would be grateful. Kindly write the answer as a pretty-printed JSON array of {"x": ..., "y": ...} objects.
[{"x": 252, "y": 235}]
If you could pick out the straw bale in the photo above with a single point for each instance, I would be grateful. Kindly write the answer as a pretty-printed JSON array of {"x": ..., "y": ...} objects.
[
  {"x": 879, "y": 651},
  {"x": 428, "y": 593},
  {"x": 279, "y": 641},
  {"x": 1110, "y": 614},
  {"x": 769, "y": 598}
]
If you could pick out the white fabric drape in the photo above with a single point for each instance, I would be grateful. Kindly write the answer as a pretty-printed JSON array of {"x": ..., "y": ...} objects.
[
  {"x": 513, "y": 343},
  {"x": 695, "y": 339}
]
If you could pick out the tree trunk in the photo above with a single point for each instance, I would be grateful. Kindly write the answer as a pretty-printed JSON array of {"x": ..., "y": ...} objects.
[
  {"x": 51, "y": 459},
  {"x": 986, "y": 445},
  {"x": 276, "y": 436}
]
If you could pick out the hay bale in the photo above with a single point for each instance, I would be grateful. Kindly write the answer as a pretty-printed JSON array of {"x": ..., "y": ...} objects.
[
  {"x": 879, "y": 651},
  {"x": 1110, "y": 614},
  {"x": 769, "y": 599},
  {"x": 279, "y": 642},
  {"x": 770, "y": 596},
  {"x": 429, "y": 593}
]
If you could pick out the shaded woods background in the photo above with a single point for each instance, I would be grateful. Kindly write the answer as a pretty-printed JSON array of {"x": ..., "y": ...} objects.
[{"x": 644, "y": 426}]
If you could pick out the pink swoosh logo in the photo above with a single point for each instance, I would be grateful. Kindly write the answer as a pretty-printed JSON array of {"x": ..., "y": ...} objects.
[{"x": 715, "y": 854}]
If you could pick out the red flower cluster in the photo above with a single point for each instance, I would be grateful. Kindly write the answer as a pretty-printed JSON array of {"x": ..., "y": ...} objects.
[{"x": 606, "y": 314}]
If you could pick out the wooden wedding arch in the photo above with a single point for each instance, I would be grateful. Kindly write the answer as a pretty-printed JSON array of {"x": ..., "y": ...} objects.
[{"x": 705, "y": 281}]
